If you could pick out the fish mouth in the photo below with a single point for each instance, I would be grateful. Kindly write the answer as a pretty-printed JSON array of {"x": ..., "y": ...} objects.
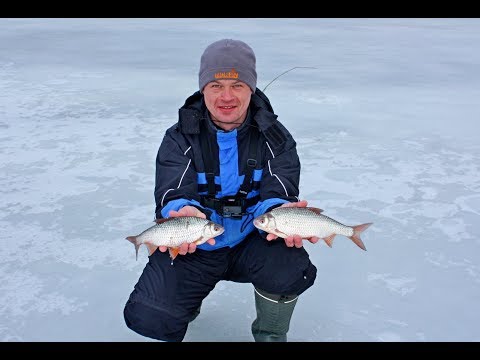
[{"x": 219, "y": 232}]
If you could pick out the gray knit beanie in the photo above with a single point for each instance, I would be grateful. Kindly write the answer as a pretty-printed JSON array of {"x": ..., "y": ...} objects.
[{"x": 228, "y": 59}]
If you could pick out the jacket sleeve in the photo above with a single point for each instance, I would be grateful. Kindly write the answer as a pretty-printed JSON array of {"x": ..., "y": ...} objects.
[
  {"x": 280, "y": 176},
  {"x": 175, "y": 176}
]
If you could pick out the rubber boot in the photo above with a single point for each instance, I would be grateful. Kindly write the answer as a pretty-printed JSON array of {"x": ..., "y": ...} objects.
[{"x": 273, "y": 316}]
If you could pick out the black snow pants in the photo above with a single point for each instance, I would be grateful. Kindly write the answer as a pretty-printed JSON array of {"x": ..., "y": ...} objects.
[{"x": 168, "y": 294}]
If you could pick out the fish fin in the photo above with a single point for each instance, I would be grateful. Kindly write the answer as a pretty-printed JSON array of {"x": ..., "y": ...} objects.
[
  {"x": 279, "y": 233},
  {"x": 151, "y": 248},
  {"x": 173, "y": 252},
  {"x": 357, "y": 230},
  {"x": 315, "y": 210},
  {"x": 329, "y": 239},
  {"x": 134, "y": 241},
  {"x": 199, "y": 241},
  {"x": 161, "y": 220}
]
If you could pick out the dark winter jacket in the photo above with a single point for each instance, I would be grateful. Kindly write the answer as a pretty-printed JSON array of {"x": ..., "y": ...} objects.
[{"x": 180, "y": 169}]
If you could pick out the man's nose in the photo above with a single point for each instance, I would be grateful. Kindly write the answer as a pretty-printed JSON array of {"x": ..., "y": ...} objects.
[{"x": 227, "y": 93}]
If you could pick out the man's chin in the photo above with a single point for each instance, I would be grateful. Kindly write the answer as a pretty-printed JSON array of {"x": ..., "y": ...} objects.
[{"x": 227, "y": 121}]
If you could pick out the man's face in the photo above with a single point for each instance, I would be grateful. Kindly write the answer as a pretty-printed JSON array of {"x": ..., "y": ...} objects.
[{"x": 227, "y": 101}]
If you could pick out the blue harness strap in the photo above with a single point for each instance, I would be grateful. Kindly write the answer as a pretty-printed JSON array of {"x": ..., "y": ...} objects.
[{"x": 229, "y": 206}]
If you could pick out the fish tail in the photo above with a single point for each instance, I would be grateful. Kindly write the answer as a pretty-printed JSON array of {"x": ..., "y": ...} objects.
[
  {"x": 357, "y": 230},
  {"x": 134, "y": 241}
]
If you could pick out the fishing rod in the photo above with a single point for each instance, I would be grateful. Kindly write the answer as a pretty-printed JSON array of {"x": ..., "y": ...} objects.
[{"x": 296, "y": 67}]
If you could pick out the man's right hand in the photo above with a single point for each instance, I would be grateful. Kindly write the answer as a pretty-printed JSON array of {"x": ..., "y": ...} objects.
[{"x": 185, "y": 247}]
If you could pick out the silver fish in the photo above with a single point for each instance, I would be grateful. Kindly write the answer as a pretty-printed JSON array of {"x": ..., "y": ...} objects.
[
  {"x": 307, "y": 222},
  {"x": 174, "y": 231}
]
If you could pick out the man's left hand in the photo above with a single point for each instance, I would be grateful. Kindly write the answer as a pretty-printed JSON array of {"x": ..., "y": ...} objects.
[{"x": 294, "y": 240}]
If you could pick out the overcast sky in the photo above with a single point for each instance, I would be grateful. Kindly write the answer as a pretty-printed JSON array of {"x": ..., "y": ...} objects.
[{"x": 385, "y": 113}]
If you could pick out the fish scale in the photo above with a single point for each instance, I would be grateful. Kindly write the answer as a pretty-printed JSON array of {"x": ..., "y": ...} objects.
[
  {"x": 307, "y": 222},
  {"x": 168, "y": 234},
  {"x": 294, "y": 220},
  {"x": 174, "y": 231}
]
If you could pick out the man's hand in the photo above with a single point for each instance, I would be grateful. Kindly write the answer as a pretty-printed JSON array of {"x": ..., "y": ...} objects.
[
  {"x": 185, "y": 247},
  {"x": 294, "y": 240}
]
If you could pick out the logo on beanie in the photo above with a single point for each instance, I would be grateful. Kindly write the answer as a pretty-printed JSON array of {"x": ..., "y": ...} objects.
[{"x": 232, "y": 74}]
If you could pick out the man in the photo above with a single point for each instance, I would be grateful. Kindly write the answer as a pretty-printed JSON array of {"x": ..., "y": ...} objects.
[{"x": 227, "y": 159}]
